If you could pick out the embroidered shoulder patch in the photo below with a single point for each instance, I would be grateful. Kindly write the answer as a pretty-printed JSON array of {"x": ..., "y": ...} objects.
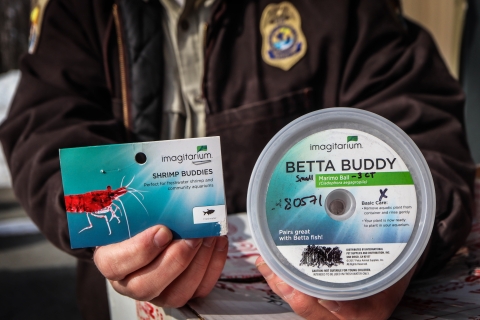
[
  {"x": 36, "y": 17},
  {"x": 283, "y": 41}
]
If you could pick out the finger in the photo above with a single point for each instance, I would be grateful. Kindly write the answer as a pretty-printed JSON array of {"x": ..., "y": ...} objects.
[
  {"x": 116, "y": 261},
  {"x": 303, "y": 305},
  {"x": 148, "y": 282},
  {"x": 378, "y": 306},
  {"x": 182, "y": 288},
  {"x": 215, "y": 267}
]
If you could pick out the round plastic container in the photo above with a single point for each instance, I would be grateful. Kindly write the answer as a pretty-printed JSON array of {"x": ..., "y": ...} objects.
[{"x": 341, "y": 204}]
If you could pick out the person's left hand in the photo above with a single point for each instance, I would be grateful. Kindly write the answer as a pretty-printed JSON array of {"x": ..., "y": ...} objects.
[
  {"x": 152, "y": 267},
  {"x": 378, "y": 306}
]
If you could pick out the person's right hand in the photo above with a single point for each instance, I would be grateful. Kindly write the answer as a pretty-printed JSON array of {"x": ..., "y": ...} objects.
[
  {"x": 152, "y": 267},
  {"x": 378, "y": 306}
]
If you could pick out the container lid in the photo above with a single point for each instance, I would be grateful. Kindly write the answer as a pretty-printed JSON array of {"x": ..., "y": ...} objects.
[{"x": 341, "y": 204}]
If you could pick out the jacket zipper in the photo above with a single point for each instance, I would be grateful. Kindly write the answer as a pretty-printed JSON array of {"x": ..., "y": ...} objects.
[
  {"x": 208, "y": 43},
  {"x": 205, "y": 31},
  {"x": 123, "y": 77}
]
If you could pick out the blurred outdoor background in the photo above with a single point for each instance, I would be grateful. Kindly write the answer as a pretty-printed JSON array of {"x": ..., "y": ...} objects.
[{"x": 37, "y": 281}]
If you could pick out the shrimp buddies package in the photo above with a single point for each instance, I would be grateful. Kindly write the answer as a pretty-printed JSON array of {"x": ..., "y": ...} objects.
[{"x": 113, "y": 192}]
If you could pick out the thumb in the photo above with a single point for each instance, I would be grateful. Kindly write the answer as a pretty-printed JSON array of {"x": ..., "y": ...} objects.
[{"x": 116, "y": 261}]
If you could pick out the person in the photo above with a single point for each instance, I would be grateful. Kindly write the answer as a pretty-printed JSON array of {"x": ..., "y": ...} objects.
[{"x": 102, "y": 72}]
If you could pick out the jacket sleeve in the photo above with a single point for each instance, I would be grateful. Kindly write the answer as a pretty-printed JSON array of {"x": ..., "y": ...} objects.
[
  {"x": 395, "y": 70},
  {"x": 62, "y": 100}
]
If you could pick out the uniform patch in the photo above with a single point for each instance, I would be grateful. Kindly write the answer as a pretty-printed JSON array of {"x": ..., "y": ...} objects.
[
  {"x": 36, "y": 17},
  {"x": 283, "y": 41}
]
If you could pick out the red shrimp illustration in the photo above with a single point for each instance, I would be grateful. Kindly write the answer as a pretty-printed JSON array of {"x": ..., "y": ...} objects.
[{"x": 99, "y": 202}]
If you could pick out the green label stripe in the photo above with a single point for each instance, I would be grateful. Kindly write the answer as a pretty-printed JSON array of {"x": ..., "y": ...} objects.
[{"x": 363, "y": 179}]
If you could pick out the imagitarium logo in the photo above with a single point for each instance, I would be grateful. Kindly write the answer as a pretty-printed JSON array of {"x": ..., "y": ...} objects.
[
  {"x": 350, "y": 144},
  {"x": 200, "y": 157}
]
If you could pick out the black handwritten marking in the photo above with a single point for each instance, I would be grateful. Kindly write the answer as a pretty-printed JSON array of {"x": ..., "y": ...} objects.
[
  {"x": 318, "y": 256},
  {"x": 383, "y": 194},
  {"x": 301, "y": 202},
  {"x": 307, "y": 178},
  {"x": 366, "y": 175}
]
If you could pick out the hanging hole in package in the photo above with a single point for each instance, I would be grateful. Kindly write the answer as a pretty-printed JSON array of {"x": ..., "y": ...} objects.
[
  {"x": 113, "y": 192},
  {"x": 341, "y": 204}
]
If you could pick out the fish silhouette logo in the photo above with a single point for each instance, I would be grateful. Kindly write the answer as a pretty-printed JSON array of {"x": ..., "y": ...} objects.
[{"x": 209, "y": 212}]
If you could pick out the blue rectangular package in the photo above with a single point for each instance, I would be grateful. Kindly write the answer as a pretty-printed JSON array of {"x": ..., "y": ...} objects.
[{"x": 113, "y": 192}]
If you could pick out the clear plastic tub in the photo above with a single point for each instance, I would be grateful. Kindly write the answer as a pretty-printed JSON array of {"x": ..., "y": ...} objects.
[{"x": 341, "y": 204}]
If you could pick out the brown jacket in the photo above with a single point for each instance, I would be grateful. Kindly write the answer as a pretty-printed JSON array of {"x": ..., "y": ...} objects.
[{"x": 96, "y": 78}]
